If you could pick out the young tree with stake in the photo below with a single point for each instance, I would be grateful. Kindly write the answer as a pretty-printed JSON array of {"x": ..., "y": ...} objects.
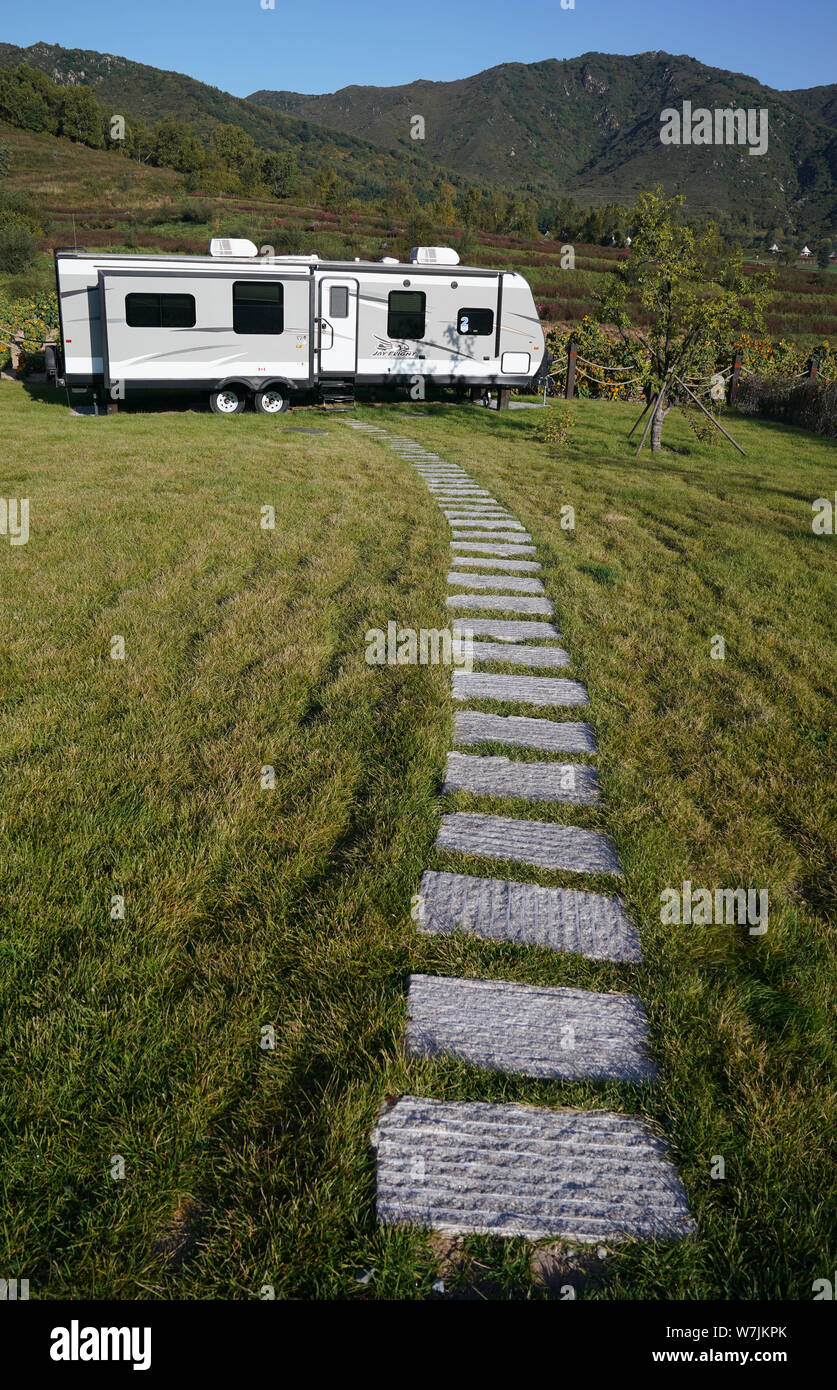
[{"x": 693, "y": 290}]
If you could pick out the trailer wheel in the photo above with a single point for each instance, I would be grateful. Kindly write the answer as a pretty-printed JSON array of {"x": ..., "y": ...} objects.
[
  {"x": 272, "y": 401},
  {"x": 230, "y": 400}
]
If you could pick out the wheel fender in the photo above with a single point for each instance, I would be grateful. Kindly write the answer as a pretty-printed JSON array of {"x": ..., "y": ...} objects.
[{"x": 274, "y": 381}]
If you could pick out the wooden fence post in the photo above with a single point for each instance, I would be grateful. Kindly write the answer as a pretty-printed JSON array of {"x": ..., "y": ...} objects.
[
  {"x": 733, "y": 385},
  {"x": 15, "y": 352},
  {"x": 572, "y": 354},
  {"x": 813, "y": 368}
]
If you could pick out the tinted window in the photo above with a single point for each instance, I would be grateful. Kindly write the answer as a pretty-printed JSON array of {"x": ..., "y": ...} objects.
[
  {"x": 258, "y": 306},
  {"x": 405, "y": 318},
  {"x": 338, "y": 302},
  {"x": 160, "y": 310},
  {"x": 477, "y": 322}
]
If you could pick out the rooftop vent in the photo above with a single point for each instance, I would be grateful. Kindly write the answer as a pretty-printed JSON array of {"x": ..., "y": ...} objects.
[
  {"x": 226, "y": 246},
  {"x": 434, "y": 255}
]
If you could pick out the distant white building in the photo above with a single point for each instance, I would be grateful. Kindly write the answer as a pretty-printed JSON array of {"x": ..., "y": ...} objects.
[
  {"x": 806, "y": 251},
  {"x": 774, "y": 248}
]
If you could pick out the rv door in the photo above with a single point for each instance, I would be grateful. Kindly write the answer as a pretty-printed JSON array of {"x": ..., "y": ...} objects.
[{"x": 337, "y": 325}]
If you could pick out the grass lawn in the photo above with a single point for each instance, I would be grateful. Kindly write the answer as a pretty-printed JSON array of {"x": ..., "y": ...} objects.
[{"x": 248, "y": 906}]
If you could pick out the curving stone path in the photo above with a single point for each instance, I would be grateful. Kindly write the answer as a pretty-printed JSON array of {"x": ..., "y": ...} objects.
[{"x": 582, "y": 1175}]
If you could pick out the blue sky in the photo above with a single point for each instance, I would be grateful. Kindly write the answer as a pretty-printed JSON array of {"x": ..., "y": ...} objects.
[{"x": 325, "y": 44}]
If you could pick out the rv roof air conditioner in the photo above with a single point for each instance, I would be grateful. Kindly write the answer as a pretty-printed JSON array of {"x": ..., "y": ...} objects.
[
  {"x": 225, "y": 246},
  {"x": 433, "y": 255}
]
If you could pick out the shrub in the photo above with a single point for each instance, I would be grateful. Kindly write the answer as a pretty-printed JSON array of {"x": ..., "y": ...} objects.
[
  {"x": 811, "y": 403},
  {"x": 18, "y": 245},
  {"x": 36, "y": 318},
  {"x": 193, "y": 212},
  {"x": 554, "y": 425}
]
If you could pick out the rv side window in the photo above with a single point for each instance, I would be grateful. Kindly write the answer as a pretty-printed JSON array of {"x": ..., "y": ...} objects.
[
  {"x": 160, "y": 310},
  {"x": 258, "y": 306},
  {"x": 338, "y": 302},
  {"x": 475, "y": 322},
  {"x": 405, "y": 318}
]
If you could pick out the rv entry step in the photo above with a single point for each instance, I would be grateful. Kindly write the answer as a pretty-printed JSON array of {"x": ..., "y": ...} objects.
[{"x": 334, "y": 392}]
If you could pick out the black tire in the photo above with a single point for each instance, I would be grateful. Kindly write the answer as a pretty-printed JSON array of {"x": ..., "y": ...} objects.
[
  {"x": 230, "y": 400},
  {"x": 273, "y": 400}
]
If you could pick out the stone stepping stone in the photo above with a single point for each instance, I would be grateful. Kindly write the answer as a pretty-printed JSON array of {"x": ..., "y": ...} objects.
[
  {"x": 528, "y": 690},
  {"x": 518, "y": 537},
  {"x": 529, "y": 1030},
  {"x": 583, "y": 1176},
  {"x": 487, "y": 523},
  {"x": 507, "y": 566},
  {"x": 528, "y": 842},
  {"x": 503, "y": 603},
  {"x": 546, "y": 735},
  {"x": 516, "y": 584},
  {"x": 574, "y": 783},
  {"x": 475, "y": 548},
  {"x": 518, "y": 655},
  {"x": 505, "y": 629},
  {"x": 499, "y": 909}
]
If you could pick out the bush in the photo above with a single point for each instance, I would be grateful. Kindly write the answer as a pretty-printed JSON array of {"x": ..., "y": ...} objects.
[
  {"x": 622, "y": 362},
  {"x": 18, "y": 245},
  {"x": 811, "y": 403},
  {"x": 193, "y": 212},
  {"x": 36, "y": 318},
  {"x": 554, "y": 426}
]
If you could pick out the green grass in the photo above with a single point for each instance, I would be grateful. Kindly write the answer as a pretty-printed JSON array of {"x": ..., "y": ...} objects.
[{"x": 291, "y": 907}]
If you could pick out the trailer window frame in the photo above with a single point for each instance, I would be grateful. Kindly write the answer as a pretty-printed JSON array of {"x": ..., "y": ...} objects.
[
  {"x": 163, "y": 303},
  {"x": 483, "y": 315},
  {"x": 250, "y": 303},
  {"x": 396, "y": 316}
]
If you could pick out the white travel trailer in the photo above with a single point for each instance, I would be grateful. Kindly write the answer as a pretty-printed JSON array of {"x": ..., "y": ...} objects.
[{"x": 241, "y": 326}]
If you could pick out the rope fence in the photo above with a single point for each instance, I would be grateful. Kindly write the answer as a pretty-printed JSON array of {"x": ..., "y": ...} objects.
[{"x": 720, "y": 386}]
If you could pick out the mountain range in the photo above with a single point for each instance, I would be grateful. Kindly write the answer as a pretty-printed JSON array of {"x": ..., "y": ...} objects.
[{"x": 588, "y": 127}]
